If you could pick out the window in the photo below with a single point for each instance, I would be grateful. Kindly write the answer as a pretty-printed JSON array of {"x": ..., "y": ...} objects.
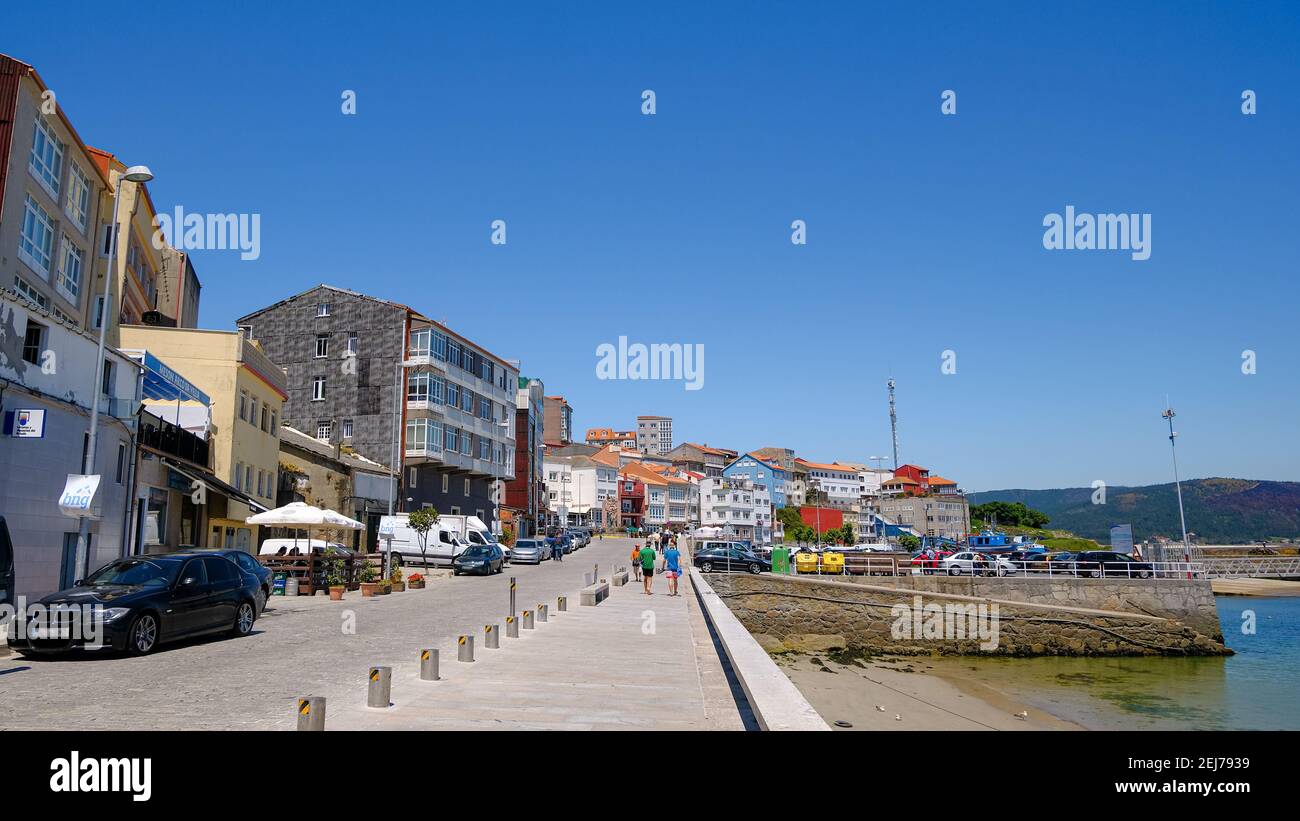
[
  {"x": 33, "y": 342},
  {"x": 466, "y": 442},
  {"x": 121, "y": 461},
  {"x": 323, "y": 430},
  {"x": 77, "y": 204},
  {"x": 417, "y": 387},
  {"x": 446, "y": 479},
  {"x": 484, "y": 449},
  {"x": 453, "y": 352},
  {"x": 467, "y": 400},
  {"x": 248, "y": 478},
  {"x": 266, "y": 418},
  {"x": 322, "y": 345},
  {"x": 420, "y": 342},
  {"x": 239, "y": 476},
  {"x": 436, "y": 388},
  {"x": 275, "y": 429},
  {"x": 347, "y": 428},
  {"x": 243, "y": 405},
  {"x": 440, "y": 345},
  {"x": 323, "y": 309},
  {"x": 252, "y": 416},
  {"x": 106, "y": 387},
  {"x": 318, "y": 389},
  {"x": 450, "y": 440},
  {"x": 261, "y": 480},
  {"x": 246, "y": 331},
  {"x": 69, "y": 279},
  {"x": 485, "y": 409},
  {"x": 36, "y": 243},
  {"x": 26, "y": 290},
  {"x": 453, "y": 394},
  {"x": 47, "y": 159},
  {"x": 352, "y": 345},
  {"x": 411, "y": 477},
  {"x": 467, "y": 486},
  {"x": 99, "y": 312}
]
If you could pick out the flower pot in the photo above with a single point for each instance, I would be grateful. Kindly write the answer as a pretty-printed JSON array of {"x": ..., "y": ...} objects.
[
  {"x": 385, "y": 588},
  {"x": 369, "y": 589},
  {"x": 416, "y": 585},
  {"x": 336, "y": 592},
  {"x": 398, "y": 587}
]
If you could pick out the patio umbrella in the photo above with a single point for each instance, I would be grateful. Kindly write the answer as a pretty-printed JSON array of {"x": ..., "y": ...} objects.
[{"x": 301, "y": 514}]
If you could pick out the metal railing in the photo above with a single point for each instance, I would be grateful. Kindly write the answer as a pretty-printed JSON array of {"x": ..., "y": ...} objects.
[{"x": 1252, "y": 567}]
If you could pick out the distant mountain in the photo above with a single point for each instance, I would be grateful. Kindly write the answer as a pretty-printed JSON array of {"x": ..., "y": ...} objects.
[{"x": 1219, "y": 511}]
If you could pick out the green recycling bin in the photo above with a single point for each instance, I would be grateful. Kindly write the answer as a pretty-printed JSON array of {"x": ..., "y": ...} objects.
[{"x": 781, "y": 560}]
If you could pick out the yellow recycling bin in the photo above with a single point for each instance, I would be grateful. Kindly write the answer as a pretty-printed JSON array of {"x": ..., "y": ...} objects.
[
  {"x": 832, "y": 563},
  {"x": 805, "y": 562}
]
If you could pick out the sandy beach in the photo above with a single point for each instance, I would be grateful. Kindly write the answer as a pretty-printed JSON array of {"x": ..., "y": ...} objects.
[
  {"x": 1255, "y": 587},
  {"x": 904, "y": 693}
]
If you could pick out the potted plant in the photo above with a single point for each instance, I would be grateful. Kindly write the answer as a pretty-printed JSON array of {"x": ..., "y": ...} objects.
[
  {"x": 395, "y": 579},
  {"x": 336, "y": 579},
  {"x": 369, "y": 583},
  {"x": 415, "y": 581}
]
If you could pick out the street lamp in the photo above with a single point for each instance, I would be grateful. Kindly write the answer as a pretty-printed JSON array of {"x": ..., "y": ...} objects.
[
  {"x": 1169, "y": 415},
  {"x": 136, "y": 174}
]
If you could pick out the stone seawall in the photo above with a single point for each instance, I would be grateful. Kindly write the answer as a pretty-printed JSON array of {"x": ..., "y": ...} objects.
[
  {"x": 819, "y": 614},
  {"x": 1188, "y": 601}
]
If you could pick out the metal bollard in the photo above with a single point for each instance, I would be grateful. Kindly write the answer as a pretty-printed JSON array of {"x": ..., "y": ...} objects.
[
  {"x": 381, "y": 687},
  {"x": 528, "y": 620},
  {"x": 311, "y": 713},
  {"x": 562, "y": 604},
  {"x": 465, "y": 650},
  {"x": 512, "y": 627},
  {"x": 541, "y": 612},
  {"x": 428, "y": 665},
  {"x": 512, "y": 597},
  {"x": 491, "y": 637}
]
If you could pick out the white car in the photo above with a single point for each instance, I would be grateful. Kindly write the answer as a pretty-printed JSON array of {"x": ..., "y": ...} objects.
[{"x": 971, "y": 563}]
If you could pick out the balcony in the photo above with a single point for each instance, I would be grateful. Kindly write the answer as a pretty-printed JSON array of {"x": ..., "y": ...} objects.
[
  {"x": 424, "y": 406},
  {"x": 165, "y": 437}
]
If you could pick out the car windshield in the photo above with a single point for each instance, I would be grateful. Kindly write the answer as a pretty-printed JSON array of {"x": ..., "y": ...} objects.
[
  {"x": 134, "y": 572},
  {"x": 525, "y": 543},
  {"x": 475, "y": 551}
]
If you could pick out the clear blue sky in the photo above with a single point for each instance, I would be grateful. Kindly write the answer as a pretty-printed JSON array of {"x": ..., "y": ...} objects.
[{"x": 924, "y": 231}]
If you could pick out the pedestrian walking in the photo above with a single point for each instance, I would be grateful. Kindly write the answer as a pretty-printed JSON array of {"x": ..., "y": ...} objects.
[
  {"x": 636, "y": 562},
  {"x": 647, "y": 568},
  {"x": 672, "y": 568}
]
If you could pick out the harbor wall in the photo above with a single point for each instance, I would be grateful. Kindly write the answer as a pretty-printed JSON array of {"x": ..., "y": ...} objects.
[{"x": 788, "y": 613}]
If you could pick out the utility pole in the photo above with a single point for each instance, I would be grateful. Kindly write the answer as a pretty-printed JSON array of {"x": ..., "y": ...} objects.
[
  {"x": 893, "y": 421},
  {"x": 1169, "y": 415}
]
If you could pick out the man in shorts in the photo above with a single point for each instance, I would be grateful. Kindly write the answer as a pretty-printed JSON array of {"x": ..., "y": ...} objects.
[
  {"x": 672, "y": 568},
  {"x": 636, "y": 562},
  {"x": 648, "y": 556}
]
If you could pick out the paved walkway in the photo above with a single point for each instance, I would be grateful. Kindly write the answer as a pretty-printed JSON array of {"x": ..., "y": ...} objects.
[{"x": 634, "y": 662}]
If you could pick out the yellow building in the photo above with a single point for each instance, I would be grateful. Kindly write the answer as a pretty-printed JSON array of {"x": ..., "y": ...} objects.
[{"x": 248, "y": 392}]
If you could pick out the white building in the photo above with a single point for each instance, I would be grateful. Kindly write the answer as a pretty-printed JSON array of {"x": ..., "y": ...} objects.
[
  {"x": 577, "y": 486},
  {"x": 48, "y": 367},
  {"x": 654, "y": 434},
  {"x": 738, "y": 506},
  {"x": 840, "y": 484}
]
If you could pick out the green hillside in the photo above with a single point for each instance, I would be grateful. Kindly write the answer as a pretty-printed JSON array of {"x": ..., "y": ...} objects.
[{"x": 1219, "y": 511}]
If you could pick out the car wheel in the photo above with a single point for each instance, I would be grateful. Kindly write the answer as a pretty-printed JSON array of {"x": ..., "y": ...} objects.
[
  {"x": 1144, "y": 574},
  {"x": 455, "y": 571},
  {"x": 1002, "y": 571},
  {"x": 244, "y": 618},
  {"x": 142, "y": 638},
  {"x": 707, "y": 567},
  {"x": 753, "y": 567},
  {"x": 954, "y": 571}
]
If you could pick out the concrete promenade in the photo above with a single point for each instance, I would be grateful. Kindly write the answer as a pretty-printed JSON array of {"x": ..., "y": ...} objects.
[{"x": 634, "y": 662}]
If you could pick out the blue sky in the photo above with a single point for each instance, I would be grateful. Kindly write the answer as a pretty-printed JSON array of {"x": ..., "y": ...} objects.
[{"x": 924, "y": 231}]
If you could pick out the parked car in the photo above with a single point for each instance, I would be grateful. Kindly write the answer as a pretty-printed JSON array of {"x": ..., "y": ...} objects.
[
  {"x": 530, "y": 551},
  {"x": 249, "y": 565},
  {"x": 727, "y": 557},
  {"x": 1025, "y": 559},
  {"x": 1096, "y": 563},
  {"x": 148, "y": 600},
  {"x": 481, "y": 559},
  {"x": 581, "y": 538},
  {"x": 972, "y": 563},
  {"x": 929, "y": 560}
]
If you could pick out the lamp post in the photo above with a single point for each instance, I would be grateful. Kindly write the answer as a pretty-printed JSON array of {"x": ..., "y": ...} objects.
[
  {"x": 1169, "y": 415},
  {"x": 136, "y": 174},
  {"x": 817, "y": 505}
]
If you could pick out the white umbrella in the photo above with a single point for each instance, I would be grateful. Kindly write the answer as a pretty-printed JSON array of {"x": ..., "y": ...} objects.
[{"x": 301, "y": 514}]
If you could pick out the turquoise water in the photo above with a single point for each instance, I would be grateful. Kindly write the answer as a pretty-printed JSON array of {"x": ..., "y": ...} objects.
[{"x": 1254, "y": 690}]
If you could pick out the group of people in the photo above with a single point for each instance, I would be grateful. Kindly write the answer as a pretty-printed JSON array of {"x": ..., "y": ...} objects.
[{"x": 644, "y": 559}]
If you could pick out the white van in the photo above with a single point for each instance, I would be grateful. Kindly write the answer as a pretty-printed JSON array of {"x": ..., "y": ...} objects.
[
  {"x": 470, "y": 529},
  {"x": 442, "y": 544}
]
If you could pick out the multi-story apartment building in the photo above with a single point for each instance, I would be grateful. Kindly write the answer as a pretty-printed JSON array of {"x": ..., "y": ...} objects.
[
  {"x": 333, "y": 478},
  {"x": 51, "y": 196},
  {"x": 738, "y": 507},
  {"x": 47, "y": 366},
  {"x": 402, "y": 390},
  {"x": 654, "y": 434},
  {"x": 631, "y": 501},
  {"x": 946, "y": 516},
  {"x": 701, "y": 458},
  {"x": 559, "y": 421},
  {"x": 609, "y": 436},
  {"x": 761, "y": 472},
  {"x": 248, "y": 394},
  {"x": 837, "y": 484},
  {"x": 577, "y": 488},
  {"x": 526, "y": 490}
]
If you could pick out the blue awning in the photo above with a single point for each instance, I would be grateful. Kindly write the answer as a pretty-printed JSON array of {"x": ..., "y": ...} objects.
[{"x": 163, "y": 383}]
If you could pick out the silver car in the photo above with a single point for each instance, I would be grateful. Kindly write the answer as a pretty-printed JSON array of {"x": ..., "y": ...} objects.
[{"x": 529, "y": 551}]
